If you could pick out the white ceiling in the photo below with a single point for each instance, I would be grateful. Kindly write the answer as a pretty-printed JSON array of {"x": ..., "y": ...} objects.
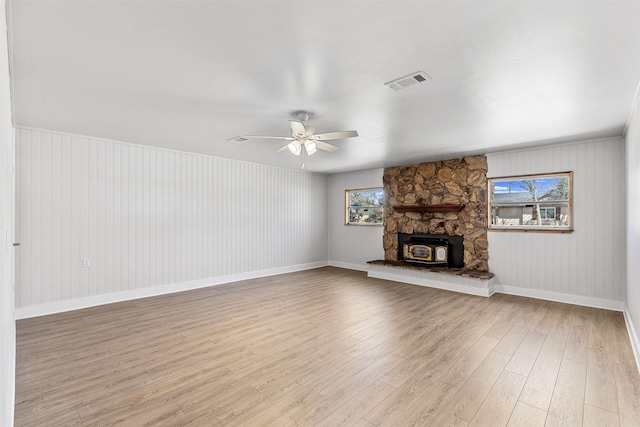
[{"x": 188, "y": 75}]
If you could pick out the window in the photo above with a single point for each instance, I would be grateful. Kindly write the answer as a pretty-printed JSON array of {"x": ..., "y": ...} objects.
[
  {"x": 364, "y": 207},
  {"x": 531, "y": 203},
  {"x": 547, "y": 212}
]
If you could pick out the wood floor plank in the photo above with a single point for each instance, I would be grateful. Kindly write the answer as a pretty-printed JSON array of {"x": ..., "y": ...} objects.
[
  {"x": 445, "y": 419},
  {"x": 143, "y": 415},
  {"x": 341, "y": 391},
  {"x": 466, "y": 365},
  {"x": 362, "y": 423},
  {"x": 600, "y": 390},
  {"x": 284, "y": 411},
  {"x": 539, "y": 387},
  {"x": 392, "y": 409},
  {"x": 355, "y": 408},
  {"x": 500, "y": 328},
  {"x": 500, "y": 402},
  {"x": 577, "y": 347},
  {"x": 469, "y": 398},
  {"x": 620, "y": 343},
  {"x": 628, "y": 388},
  {"x": 566, "y": 408},
  {"x": 431, "y": 409},
  {"x": 599, "y": 338},
  {"x": 524, "y": 415},
  {"x": 325, "y": 347},
  {"x": 526, "y": 354},
  {"x": 512, "y": 339},
  {"x": 597, "y": 417},
  {"x": 244, "y": 410}
]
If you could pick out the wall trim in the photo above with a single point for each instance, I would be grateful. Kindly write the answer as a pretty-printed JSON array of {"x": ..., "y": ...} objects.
[
  {"x": 585, "y": 301},
  {"x": 486, "y": 288},
  {"x": 92, "y": 301},
  {"x": 349, "y": 265},
  {"x": 465, "y": 285},
  {"x": 633, "y": 337}
]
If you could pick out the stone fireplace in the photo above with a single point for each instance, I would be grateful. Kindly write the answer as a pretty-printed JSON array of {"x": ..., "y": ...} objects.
[{"x": 445, "y": 198}]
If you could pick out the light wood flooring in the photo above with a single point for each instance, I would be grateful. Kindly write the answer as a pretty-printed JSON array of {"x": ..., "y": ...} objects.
[{"x": 327, "y": 347}]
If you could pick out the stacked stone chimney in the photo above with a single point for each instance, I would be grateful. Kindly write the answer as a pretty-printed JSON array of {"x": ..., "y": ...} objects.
[{"x": 447, "y": 182}]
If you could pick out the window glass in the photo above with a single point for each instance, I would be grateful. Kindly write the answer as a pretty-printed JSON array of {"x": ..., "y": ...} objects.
[
  {"x": 364, "y": 206},
  {"x": 533, "y": 202}
]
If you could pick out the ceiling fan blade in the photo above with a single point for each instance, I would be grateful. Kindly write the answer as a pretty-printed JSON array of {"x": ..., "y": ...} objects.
[
  {"x": 325, "y": 146},
  {"x": 335, "y": 135},
  {"x": 297, "y": 127},
  {"x": 283, "y": 148},
  {"x": 285, "y": 138}
]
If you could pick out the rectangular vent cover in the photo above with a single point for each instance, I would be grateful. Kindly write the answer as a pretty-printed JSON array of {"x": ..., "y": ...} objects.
[
  {"x": 238, "y": 139},
  {"x": 411, "y": 79}
]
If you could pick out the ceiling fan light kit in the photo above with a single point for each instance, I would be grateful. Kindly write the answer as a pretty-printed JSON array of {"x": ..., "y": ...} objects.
[
  {"x": 295, "y": 148},
  {"x": 304, "y": 137},
  {"x": 311, "y": 147}
]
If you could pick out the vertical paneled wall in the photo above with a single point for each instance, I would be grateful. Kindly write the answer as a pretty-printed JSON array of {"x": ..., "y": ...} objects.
[
  {"x": 146, "y": 217},
  {"x": 590, "y": 262},
  {"x": 351, "y": 246},
  {"x": 7, "y": 321},
  {"x": 633, "y": 227}
]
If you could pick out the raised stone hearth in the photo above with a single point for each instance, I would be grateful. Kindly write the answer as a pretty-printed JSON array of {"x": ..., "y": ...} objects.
[
  {"x": 444, "y": 197},
  {"x": 462, "y": 272},
  {"x": 471, "y": 282}
]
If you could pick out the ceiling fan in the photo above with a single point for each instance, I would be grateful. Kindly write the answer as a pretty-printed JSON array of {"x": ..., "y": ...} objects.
[{"x": 303, "y": 138}]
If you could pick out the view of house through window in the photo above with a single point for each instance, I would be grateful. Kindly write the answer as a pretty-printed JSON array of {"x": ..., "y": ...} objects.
[
  {"x": 364, "y": 206},
  {"x": 534, "y": 202}
]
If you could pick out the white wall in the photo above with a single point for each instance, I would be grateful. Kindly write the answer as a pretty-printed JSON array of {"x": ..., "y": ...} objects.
[
  {"x": 587, "y": 266},
  {"x": 152, "y": 220},
  {"x": 351, "y": 246},
  {"x": 7, "y": 322},
  {"x": 632, "y": 314},
  {"x": 577, "y": 268}
]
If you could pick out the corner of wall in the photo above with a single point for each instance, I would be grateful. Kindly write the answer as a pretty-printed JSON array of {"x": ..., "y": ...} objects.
[
  {"x": 632, "y": 288},
  {"x": 7, "y": 229},
  {"x": 633, "y": 337}
]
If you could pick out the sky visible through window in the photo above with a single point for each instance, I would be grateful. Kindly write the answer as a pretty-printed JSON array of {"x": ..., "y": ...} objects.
[{"x": 510, "y": 186}]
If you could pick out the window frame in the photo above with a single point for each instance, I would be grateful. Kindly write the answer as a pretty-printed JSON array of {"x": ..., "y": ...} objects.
[
  {"x": 347, "y": 207},
  {"x": 568, "y": 203}
]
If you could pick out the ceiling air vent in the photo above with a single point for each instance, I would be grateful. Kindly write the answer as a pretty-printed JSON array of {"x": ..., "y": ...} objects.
[
  {"x": 238, "y": 139},
  {"x": 411, "y": 79}
]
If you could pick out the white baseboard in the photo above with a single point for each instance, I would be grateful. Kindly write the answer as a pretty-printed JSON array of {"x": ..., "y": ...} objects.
[
  {"x": 484, "y": 288},
  {"x": 560, "y": 297},
  {"x": 465, "y": 285},
  {"x": 349, "y": 266},
  {"x": 95, "y": 300},
  {"x": 633, "y": 337}
]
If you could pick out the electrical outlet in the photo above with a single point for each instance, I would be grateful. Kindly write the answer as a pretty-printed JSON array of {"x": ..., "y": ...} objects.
[{"x": 86, "y": 262}]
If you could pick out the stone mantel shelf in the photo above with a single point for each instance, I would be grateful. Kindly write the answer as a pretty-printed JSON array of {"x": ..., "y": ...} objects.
[{"x": 428, "y": 208}]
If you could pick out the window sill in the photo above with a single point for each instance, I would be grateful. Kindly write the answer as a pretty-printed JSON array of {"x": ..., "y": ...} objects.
[{"x": 531, "y": 230}]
